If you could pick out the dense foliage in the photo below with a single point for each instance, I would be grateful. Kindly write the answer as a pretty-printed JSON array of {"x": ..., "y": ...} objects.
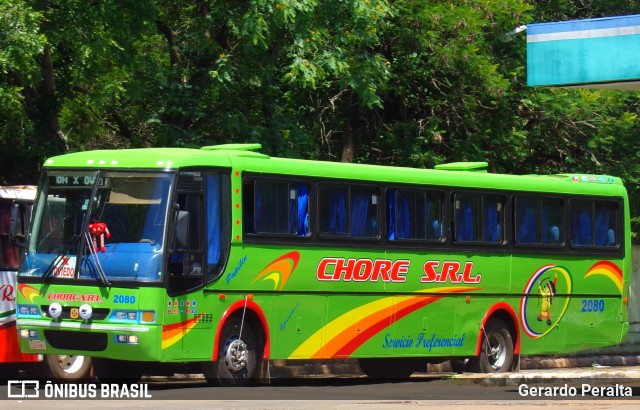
[{"x": 404, "y": 82}]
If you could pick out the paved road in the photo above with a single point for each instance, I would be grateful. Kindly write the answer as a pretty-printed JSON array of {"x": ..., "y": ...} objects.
[{"x": 421, "y": 392}]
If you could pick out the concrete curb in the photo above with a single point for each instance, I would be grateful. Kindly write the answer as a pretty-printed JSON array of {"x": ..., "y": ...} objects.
[
  {"x": 533, "y": 368},
  {"x": 350, "y": 367}
]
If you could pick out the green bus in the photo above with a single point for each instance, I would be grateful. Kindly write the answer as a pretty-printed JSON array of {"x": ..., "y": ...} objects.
[{"x": 227, "y": 258}]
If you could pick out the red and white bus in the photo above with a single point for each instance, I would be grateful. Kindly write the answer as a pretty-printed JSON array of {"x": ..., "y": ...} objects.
[{"x": 16, "y": 203}]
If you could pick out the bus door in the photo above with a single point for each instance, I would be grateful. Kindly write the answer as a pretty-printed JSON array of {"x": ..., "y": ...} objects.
[{"x": 196, "y": 256}]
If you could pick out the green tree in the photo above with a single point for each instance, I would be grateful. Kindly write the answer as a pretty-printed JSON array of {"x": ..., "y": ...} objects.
[{"x": 21, "y": 46}]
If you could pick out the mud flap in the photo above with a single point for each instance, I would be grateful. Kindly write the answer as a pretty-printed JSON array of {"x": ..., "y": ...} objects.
[
  {"x": 515, "y": 367},
  {"x": 264, "y": 375}
]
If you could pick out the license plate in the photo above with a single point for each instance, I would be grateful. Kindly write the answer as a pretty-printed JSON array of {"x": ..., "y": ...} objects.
[{"x": 37, "y": 344}]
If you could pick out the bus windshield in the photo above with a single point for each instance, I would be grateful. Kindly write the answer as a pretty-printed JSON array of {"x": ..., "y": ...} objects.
[{"x": 107, "y": 225}]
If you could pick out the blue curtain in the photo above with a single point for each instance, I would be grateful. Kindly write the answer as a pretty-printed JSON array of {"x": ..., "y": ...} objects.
[
  {"x": 602, "y": 227},
  {"x": 547, "y": 234},
  {"x": 359, "y": 212},
  {"x": 404, "y": 220},
  {"x": 391, "y": 198},
  {"x": 303, "y": 210},
  {"x": 464, "y": 222},
  {"x": 527, "y": 227},
  {"x": 582, "y": 227},
  {"x": 213, "y": 219},
  {"x": 491, "y": 223},
  {"x": 337, "y": 222}
]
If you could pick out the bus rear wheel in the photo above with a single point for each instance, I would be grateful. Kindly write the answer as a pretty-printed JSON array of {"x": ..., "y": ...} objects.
[
  {"x": 237, "y": 363},
  {"x": 496, "y": 351}
]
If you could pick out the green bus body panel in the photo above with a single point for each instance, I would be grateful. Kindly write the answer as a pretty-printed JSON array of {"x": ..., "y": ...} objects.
[
  {"x": 392, "y": 302},
  {"x": 176, "y": 158}
]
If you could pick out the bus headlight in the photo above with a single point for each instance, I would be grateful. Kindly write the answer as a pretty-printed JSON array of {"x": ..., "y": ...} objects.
[
  {"x": 127, "y": 339},
  {"x": 55, "y": 310},
  {"x": 133, "y": 316},
  {"x": 28, "y": 334},
  {"x": 85, "y": 311}
]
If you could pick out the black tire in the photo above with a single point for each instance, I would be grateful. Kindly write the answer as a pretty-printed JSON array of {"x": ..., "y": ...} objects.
[
  {"x": 65, "y": 367},
  {"x": 390, "y": 369},
  {"x": 116, "y": 371},
  {"x": 496, "y": 351},
  {"x": 237, "y": 362}
]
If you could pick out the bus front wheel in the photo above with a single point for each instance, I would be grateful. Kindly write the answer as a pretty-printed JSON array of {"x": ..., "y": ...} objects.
[
  {"x": 496, "y": 352},
  {"x": 236, "y": 364},
  {"x": 64, "y": 367}
]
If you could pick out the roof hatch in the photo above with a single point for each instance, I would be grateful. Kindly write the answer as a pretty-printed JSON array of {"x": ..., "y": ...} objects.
[
  {"x": 233, "y": 147},
  {"x": 463, "y": 166}
]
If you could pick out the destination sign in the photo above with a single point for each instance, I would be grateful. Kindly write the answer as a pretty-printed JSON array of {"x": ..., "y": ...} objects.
[{"x": 74, "y": 180}]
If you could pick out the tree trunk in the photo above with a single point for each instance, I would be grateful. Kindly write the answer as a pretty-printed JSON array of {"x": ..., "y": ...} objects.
[
  {"x": 49, "y": 124},
  {"x": 348, "y": 147}
]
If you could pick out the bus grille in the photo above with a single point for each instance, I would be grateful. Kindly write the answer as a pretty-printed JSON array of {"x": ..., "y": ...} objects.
[
  {"x": 97, "y": 314},
  {"x": 61, "y": 339}
]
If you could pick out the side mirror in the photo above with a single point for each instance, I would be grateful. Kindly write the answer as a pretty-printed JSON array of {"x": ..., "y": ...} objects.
[
  {"x": 182, "y": 229},
  {"x": 19, "y": 220}
]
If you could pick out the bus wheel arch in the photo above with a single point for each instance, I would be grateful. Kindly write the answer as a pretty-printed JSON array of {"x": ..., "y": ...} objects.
[
  {"x": 241, "y": 346},
  {"x": 498, "y": 344}
]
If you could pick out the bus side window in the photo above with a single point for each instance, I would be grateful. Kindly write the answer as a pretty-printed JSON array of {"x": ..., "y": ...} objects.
[
  {"x": 478, "y": 218},
  {"x": 333, "y": 211},
  {"x": 275, "y": 207},
  {"x": 594, "y": 223},
  {"x": 348, "y": 212},
  {"x": 414, "y": 215}
]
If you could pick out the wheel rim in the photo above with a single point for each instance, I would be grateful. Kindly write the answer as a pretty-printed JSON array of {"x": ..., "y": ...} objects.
[
  {"x": 496, "y": 351},
  {"x": 70, "y": 363},
  {"x": 236, "y": 354}
]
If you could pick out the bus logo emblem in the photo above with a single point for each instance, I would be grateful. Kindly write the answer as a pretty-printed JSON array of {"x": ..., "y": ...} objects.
[{"x": 74, "y": 313}]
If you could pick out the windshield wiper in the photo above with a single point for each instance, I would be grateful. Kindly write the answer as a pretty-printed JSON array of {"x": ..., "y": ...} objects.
[
  {"x": 88, "y": 243},
  {"x": 54, "y": 264}
]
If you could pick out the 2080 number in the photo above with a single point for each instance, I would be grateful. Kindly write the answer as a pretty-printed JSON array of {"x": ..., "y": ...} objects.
[
  {"x": 124, "y": 299},
  {"x": 592, "y": 305}
]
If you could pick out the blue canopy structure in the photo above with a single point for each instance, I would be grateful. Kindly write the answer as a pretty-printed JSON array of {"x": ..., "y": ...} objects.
[{"x": 593, "y": 53}]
